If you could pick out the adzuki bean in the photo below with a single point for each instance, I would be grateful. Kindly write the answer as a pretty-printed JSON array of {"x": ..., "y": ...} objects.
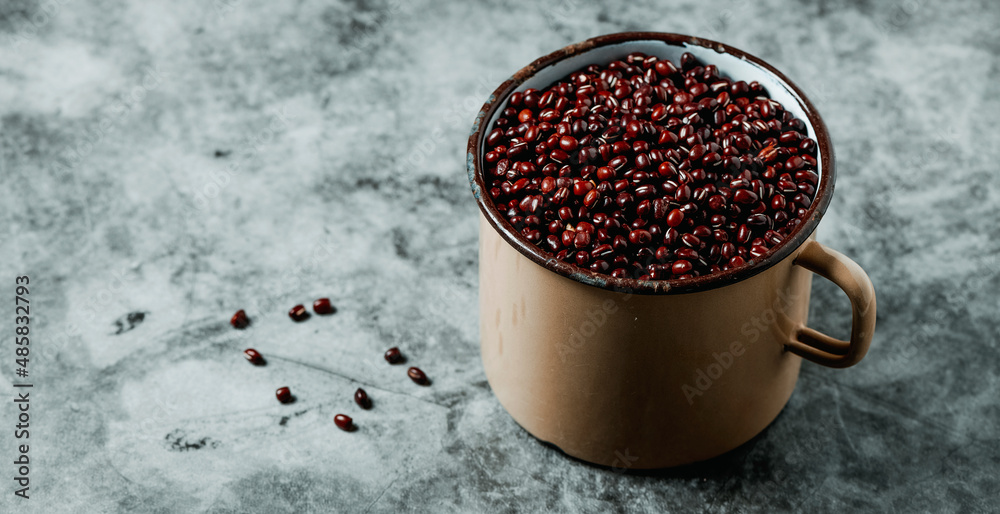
[
  {"x": 418, "y": 376},
  {"x": 646, "y": 168},
  {"x": 239, "y": 320},
  {"x": 361, "y": 398},
  {"x": 253, "y": 356},
  {"x": 393, "y": 355},
  {"x": 298, "y": 313},
  {"x": 344, "y": 422},
  {"x": 323, "y": 306},
  {"x": 284, "y": 395}
]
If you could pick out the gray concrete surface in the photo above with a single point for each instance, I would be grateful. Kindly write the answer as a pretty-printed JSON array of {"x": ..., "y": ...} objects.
[{"x": 186, "y": 159}]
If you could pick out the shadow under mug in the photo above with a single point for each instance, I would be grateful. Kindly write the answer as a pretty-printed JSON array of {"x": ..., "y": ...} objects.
[{"x": 638, "y": 374}]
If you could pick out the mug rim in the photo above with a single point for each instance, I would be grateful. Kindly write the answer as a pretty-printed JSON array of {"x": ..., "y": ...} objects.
[{"x": 795, "y": 239}]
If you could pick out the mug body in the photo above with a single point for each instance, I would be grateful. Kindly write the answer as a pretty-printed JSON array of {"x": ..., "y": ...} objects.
[{"x": 632, "y": 380}]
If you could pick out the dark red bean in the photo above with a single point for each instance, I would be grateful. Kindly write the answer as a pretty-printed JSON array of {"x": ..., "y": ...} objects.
[
  {"x": 778, "y": 202},
  {"x": 683, "y": 193},
  {"x": 643, "y": 209},
  {"x": 600, "y": 266},
  {"x": 568, "y": 237},
  {"x": 393, "y": 355},
  {"x": 659, "y": 112},
  {"x": 758, "y": 251},
  {"x": 671, "y": 236},
  {"x": 344, "y": 422},
  {"x": 697, "y": 151},
  {"x": 642, "y": 161},
  {"x": 743, "y": 234},
  {"x": 323, "y": 306},
  {"x": 548, "y": 115},
  {"x": 690, "y": 240},
  {"x": 744, "y": 196},
  {"x": 806, "y": 176},
  {"x": 618, "y": 162},
  {"x": 665, "y": 68},
  {"x": 758, "y": 220},
  {"x": 253, "y": 356},
  {"x": 604, "y": 251},
  {"x": 361, "y": 398},
  {"x": 681, "y": 267},
  {"x": 687, "y": 254},
  {"x": 768, "y": 154},
  {"x": 418, "y": 376},
  {"x": 698, "y": 89},
  {"x": 560, "y": 197},
  {"x": 793, "y": 163},
  {"x": 494, "y": 138},
  {"x": 548, "y": 185},
  {"x": 284, "y": 395},
  {"x": 660, "y": 206},
  {"x": 667, "y": 169},
  {"x": 640, "y": 237},
  {"x": 624, "y": 200},
  {"x": 553, "y": 243},
  {"x": 645, "y": 191},
  {"x": 675, "y": 218},
  {"x": 528, "y": 204},
  {"x": 298, "y": 313},
  {"x": 667, "y": 138},
  {"x": 790, "y": 138},
  {"x": 688, "y": 61},
  {"x": 240, "y": 320},
  {"x": 605, "y": 173}
]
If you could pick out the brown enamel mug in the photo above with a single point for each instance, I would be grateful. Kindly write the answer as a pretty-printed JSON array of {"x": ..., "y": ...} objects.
[{"x": 635, "y": 373}]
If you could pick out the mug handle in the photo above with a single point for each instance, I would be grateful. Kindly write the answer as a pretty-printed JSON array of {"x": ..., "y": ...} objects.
[{"x": 846, "y": 274}]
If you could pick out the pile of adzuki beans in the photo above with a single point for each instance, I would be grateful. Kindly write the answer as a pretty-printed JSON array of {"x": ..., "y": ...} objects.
[{"x": 641, "y": 169}]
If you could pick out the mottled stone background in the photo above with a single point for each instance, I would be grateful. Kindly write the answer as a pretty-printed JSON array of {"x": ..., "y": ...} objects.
[{"x": 166, "y": 163}]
